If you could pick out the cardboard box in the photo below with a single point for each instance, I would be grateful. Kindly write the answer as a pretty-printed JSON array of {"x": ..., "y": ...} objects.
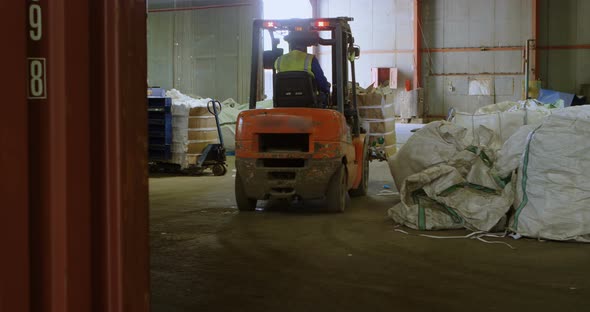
[
  {"x": 379, "y": 126},
  {"x": 202, "y": 135},
  {"x": 197, "y": 148},
  {"x": 412, "y": 104},
  {"x": 376, "y": 99},
  {"x": 202, "y": 122},
  {"x": 199, "y": 111},
  {"x": 377, "y": 112}
]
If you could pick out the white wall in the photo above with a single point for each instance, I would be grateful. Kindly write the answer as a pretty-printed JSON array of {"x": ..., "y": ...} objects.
[
  {"x": 473, "y": 24},
  {"x": 382, "y": 28},
  {"x": 209, "y": 63},
  {"x": 203, "y": 52}
]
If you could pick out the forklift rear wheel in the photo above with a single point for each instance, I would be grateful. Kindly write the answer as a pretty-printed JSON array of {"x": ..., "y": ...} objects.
[
  {"x": 243, "y": 202},
  {"x": 336, "y": 195},
  {"x": 219, "y": 170},
  {"x": 361, "y": 190}
]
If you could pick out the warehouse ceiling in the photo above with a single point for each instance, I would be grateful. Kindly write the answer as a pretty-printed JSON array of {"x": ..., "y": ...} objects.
[{"x": 161, "y": 4}]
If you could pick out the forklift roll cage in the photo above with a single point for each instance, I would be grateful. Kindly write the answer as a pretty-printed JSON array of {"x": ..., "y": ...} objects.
[{"x": 343, "y": 51}]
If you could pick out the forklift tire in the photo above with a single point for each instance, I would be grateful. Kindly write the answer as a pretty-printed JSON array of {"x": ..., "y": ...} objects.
[
  {"x": 361, "y": 190},
  {"x": 244, "y": 203},
  {"x": 336, "y": 194},
  {"x": 219, "y": 170}
]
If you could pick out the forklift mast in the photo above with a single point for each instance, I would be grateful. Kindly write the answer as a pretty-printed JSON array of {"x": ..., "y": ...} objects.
[{"x": 343, "y": 50}]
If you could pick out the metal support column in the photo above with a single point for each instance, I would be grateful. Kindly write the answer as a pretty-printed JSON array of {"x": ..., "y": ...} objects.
[{"x": 417, "y": 45}]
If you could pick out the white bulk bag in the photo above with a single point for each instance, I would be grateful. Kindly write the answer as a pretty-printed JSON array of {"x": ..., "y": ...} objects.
[
  {"x": 434, "y": 144},
  {"x": 553, "y": 183},
  {"x": 503, "y": 118}
]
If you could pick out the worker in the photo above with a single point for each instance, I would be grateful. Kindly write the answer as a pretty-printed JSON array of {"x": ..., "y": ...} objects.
[{"x": 299, "y": 60}]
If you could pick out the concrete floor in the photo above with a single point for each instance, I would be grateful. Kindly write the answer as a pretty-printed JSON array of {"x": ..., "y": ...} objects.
[{"x": 208, "y": 257}]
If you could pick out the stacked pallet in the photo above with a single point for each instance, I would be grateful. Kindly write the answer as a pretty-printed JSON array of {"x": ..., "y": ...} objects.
[
  {"x": 202, "y": 130},
  {"x": 159, "y": 128},
  {"x": 179, "y": 134},
  {"x": 377, "y": 113},
  {"x": 410, "y": 103},
  {"x": 193, "y": 128}
]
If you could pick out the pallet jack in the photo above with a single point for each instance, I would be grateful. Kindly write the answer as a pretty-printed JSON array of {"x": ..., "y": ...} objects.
[{"x": 213, "y": 156}]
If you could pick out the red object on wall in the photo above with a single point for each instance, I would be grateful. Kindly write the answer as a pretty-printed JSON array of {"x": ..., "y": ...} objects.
[
  {"x": 383, "y": 74},
  {"x": 76, "y": 123},
  {"x": 408, "y": 85}
]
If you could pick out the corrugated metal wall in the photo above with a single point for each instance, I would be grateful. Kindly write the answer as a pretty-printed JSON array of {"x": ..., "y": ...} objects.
[
  {"x": 204, "y": 52},
  {"x": 383, "y": 30},
  {"x": 565, "y": 26},
  {"x": 467, "y": 24}
]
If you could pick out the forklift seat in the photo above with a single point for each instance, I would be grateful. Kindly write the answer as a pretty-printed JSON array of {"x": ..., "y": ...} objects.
[{"x": 295, "y": 89}]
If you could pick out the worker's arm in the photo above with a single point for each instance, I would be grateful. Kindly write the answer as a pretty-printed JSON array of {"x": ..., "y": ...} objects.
[{"x": 323, "y": 83}]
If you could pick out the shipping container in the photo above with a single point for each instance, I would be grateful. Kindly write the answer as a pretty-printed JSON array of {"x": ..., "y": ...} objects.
[{"x": 74, "y": 216}]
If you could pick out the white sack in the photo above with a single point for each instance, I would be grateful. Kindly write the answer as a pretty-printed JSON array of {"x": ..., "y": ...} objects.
[
  {"x": 439, "y": 198},
  {"x": 180, "y": 113},
  {"x": 553, "y": 184},
  {"x": 446, "y": 184},
  {"x": 581, "y": 112},
  {"x": 434, "y": 144},
  {"x": 503, "y": 118},
  {"x": 511, "y": 153},
  {"x": 181, "y": 99},
  {"x": 419, "y": 212},
  {"x": 229, "y": 136}
]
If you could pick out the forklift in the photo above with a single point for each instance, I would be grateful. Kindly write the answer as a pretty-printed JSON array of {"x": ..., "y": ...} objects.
[{"x": 302, "y": 149}]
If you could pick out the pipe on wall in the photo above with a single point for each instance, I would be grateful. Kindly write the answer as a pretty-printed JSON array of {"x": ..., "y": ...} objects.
[
  {"x": 417, "y": 44},
  {"x": 535, "y": 37},
  {"x": 475, "y": 49},
  {"x": 204, "y": 7}
]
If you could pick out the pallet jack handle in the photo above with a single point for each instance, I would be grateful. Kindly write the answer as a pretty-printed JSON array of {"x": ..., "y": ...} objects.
[{"x": 212, "y": 108}]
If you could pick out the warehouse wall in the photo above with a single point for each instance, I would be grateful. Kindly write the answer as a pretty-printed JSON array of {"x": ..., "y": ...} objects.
[
  {"x": 564, "y": 23},
  {"x": 382, "y": 28},
  {"x": 464, "y": 24},
  {"x": 202, "y": 52}
]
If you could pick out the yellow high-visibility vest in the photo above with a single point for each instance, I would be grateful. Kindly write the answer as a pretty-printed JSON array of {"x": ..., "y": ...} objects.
[{"x": 294, "y": 61}]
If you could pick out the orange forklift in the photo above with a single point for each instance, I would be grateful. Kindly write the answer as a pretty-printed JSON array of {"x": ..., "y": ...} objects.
[{"x": 301, "y": 148}]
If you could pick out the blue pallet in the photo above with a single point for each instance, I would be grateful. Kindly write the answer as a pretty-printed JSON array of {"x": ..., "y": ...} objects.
[
  {"x": 159, "y": 128},
  {"x": 156, "y": 92},
  {"x": 159, "y": 152},
  {"x": 159, "y": 102},
  {"x": 159, "y": 135}
]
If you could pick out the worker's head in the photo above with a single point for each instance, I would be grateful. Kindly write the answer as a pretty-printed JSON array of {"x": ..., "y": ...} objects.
[
  {"x": 298, "y": 46},
  {"x": 300, "y": 40}
]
